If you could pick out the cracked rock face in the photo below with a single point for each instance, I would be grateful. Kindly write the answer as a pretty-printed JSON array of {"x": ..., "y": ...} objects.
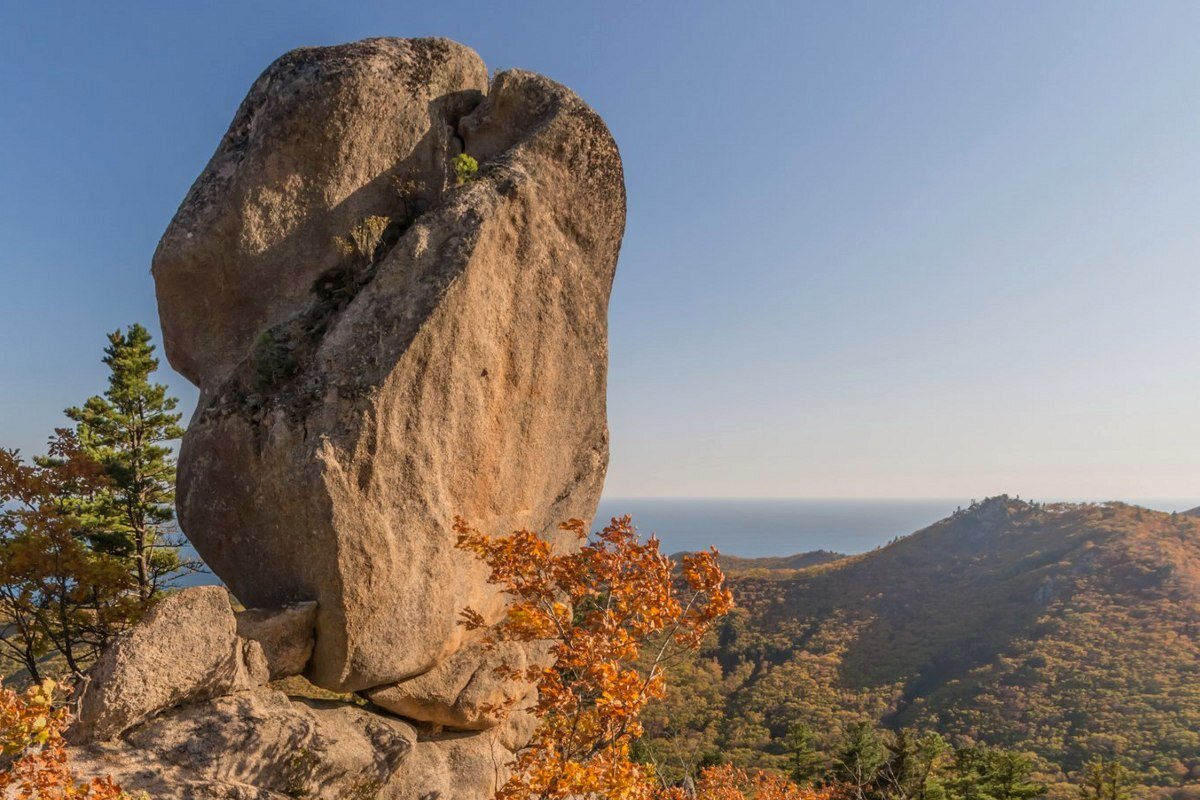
[{"x": 379, "y": 350}]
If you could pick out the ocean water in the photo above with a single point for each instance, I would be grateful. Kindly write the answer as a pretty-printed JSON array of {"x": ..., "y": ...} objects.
[
  {"x": 753, "y": 528},
  {"x": 756, "y": 528}
]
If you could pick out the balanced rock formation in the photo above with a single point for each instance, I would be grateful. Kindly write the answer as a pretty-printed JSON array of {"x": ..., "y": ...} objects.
[
  {"x": 380, "y": 349},
  {"x": 391, "y": 285}
]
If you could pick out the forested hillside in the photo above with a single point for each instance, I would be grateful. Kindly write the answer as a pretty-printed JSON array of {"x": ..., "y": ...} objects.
[{"x": 1069, "y": 631}]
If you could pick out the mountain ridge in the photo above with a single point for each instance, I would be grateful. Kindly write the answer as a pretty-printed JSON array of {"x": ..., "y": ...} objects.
[{"x": 1068, "y": 629}]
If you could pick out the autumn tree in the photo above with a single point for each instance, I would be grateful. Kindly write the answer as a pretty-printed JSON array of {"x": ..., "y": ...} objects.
[
  {"x": 599, "y": 607},
  {"x": 56, "y": 593},
  {"x": 127, "y": 430}
]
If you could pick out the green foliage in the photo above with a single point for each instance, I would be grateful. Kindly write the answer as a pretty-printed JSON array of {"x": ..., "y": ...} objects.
[
  {"x": 1105, "y": 779},
  {"x": 916, "y": 767},
  {"x": 805, "y": 761},
  {"x": 982, "y": 773},
  {"x": 683, "y": 729},
  {"x": 465, "y": 168},
  {"x": 858, "y": 762},
  {"x": 127, "y": 430},
  {"x": 274, "y": 360},
  {"x": 1061, "y": 630}
]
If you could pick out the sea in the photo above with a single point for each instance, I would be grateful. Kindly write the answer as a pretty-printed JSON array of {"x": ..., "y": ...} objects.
[{"x": 753, "y": 528}]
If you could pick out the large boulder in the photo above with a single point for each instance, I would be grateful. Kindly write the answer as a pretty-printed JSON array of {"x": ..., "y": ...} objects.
[
  {"x": 379, "y": 349},
  {"x": 185, "y": 650},
  {"x": 319, "y": 143}
]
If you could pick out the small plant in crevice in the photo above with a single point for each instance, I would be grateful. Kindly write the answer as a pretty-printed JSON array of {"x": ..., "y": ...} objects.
[
  {"x": 364, "y": 789},
  {"x": 303, "y": 766},
  {"x": 413, "y": 195},
  {"x": 465, "y": 168},
  {"x": 362, "y": 242},
  {"x": 273, "y": 358},
  {"x": 337, "y": 286}
]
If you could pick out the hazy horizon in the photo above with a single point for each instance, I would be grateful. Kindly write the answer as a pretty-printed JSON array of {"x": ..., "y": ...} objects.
[
  {"x": 1149, "y": 502},
  {"x": 757, "y": 527},
  {"x": 872, "y": 250}
]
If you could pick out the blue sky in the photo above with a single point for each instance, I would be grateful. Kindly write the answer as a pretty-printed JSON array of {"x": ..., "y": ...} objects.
[{"x": 874, "y": 250}]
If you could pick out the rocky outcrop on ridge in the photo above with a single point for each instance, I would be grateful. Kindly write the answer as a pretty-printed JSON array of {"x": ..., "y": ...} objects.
[
  {"x": 384, "y": 339},
  {"x": 369, "y": 370},
  {"x": 262, "y": 745}
]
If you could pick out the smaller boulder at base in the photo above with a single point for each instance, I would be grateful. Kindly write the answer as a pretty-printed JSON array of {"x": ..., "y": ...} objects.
[
  {"x": 185, "y": 650},
  {"x": 474, "y": 689},
  {"x": 287, "y": 635}
]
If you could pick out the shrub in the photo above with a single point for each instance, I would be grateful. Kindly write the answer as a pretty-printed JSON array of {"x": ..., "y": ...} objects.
[
  {"x": 273, "y": 360},
  {"x": 465, "y": 168},
  {"x": 33, "y": 755},
  {"x": 364, "y": 238}
]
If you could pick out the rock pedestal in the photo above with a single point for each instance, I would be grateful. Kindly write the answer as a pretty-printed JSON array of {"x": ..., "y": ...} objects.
[{"x": 262, "y": 745}]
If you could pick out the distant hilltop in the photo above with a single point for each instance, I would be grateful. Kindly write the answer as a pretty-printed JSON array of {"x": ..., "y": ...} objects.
[{"x": 1069, "y": 629}]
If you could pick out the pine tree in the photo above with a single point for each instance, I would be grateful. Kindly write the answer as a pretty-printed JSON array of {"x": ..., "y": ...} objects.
[
  {"x": 981, "y": 773},
  {"x": 1010, "y": 776},
  {"x": 1105, "y": 779},
  {"x": 127, "y": 430},
  {"x": 805, "y": 762},
  {"x": 859, "y": 761},
  {"x": 913, "y": 766},
  {"x": 969, "y": 773}
]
